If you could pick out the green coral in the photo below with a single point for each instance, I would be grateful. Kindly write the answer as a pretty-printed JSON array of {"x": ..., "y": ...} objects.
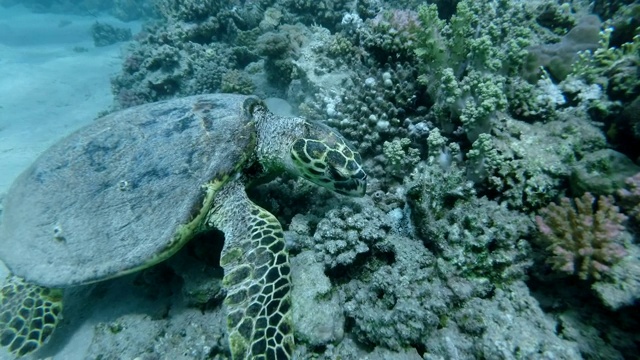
[
  {"x": 436, "y": 141},
  {"x": 430, "y": 47},
  {"x": 400, "y": 157},
  {"x": 483, "y": 158},
  {"x": 340, "y": 46},
  {"x": 464, "y": 61},
  {"x": 484, "y": 35},
  {"x": 484, "y": 97},
  {"x": 612, "y": 67}
]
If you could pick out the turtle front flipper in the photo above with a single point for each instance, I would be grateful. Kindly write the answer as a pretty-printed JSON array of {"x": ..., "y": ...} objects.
[
  {"x": 256, "y": 276},
  {"x": 28, "y": 315}
]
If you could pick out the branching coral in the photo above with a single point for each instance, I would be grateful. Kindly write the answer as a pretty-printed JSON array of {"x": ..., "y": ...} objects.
[
  {"x": 400, "y": 157},
  {"x": 390, "y": 36},
  {"x": 611, "y": 66},
  {"x": 470, "y": 54},
  {"x": 583, "y": 241}
]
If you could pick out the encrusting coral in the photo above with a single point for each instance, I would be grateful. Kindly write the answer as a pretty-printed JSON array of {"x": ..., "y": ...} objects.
[{"x": 630, "y": 197}]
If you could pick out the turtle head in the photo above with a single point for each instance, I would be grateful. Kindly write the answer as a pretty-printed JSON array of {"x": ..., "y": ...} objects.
[
  {"x": 308, "y": 149},
  {"x": 322, "y": 156}
]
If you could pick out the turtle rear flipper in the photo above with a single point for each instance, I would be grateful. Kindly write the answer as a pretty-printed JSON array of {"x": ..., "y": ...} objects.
[
  {"x": 28, "y": 315},
  {"x": 256, "y": 277}
]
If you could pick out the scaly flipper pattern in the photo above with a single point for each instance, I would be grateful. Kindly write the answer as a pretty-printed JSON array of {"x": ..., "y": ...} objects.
[
  {"x": 28, "y": 315},
  {"x": 256, "y": 277}
]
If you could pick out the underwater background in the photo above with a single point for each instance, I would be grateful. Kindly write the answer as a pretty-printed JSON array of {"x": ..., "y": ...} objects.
[{"x": 501, "y": 139}]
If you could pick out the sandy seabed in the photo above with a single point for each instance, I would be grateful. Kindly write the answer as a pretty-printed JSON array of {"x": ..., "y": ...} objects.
[{"x": 53, "y": 80}]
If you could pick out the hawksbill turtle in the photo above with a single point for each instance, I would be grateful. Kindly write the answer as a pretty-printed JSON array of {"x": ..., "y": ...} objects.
[{"x": 130, "y": 189}]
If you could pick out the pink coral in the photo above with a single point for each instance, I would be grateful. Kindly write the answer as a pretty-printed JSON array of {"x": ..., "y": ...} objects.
[{"x": 582, "y": 241}]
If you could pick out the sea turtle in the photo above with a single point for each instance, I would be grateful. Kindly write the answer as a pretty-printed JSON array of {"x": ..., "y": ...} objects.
[{"x": 130, "y": 189}]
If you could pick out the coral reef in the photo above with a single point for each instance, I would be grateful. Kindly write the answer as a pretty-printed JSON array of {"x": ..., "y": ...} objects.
[
  {"x": 105, "y": 34},
  {"x": 391, "y": 35},
  {"x": 470, "y": 55},
  {"x": 622, "y": 288},
  {"x": 398, "y": 304},
  {"x": 478, "y": 237},
  {"x": 558, "y": 58},
  {"x": 385, "y": 101},
  {"x": 236, "y": 81},
  {"x": 279, "y": 49},
  {"x": 343, "y": 236},
  {"x": 188, "y": 10},
  {"x": 526, "y": 164},
  {"x": 312, "y": 290},
  {"x": 160, "y": 67},
  {"x": 327, "y": 13},
  {"x": 611, "y": 66},
  {"x": 400, "y": 156},
  {"x": 471, "y": 117},
  {"x": 507, "y": 325}
]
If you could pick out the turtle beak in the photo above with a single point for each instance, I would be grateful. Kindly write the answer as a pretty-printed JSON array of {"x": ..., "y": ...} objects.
[
  {"x": 354, "y": 188},
  {"x": 355, "y": 185}
]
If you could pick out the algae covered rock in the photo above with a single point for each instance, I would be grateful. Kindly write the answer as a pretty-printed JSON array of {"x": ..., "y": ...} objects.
[
  {"x": 602, "y": 172},
  {"x": 312, "y": 289}
]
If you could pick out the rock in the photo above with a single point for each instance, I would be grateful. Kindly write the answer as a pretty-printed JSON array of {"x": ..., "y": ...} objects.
[
  {"x": 317, "y": 315},
  {"x": 602, "y": 172}
]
